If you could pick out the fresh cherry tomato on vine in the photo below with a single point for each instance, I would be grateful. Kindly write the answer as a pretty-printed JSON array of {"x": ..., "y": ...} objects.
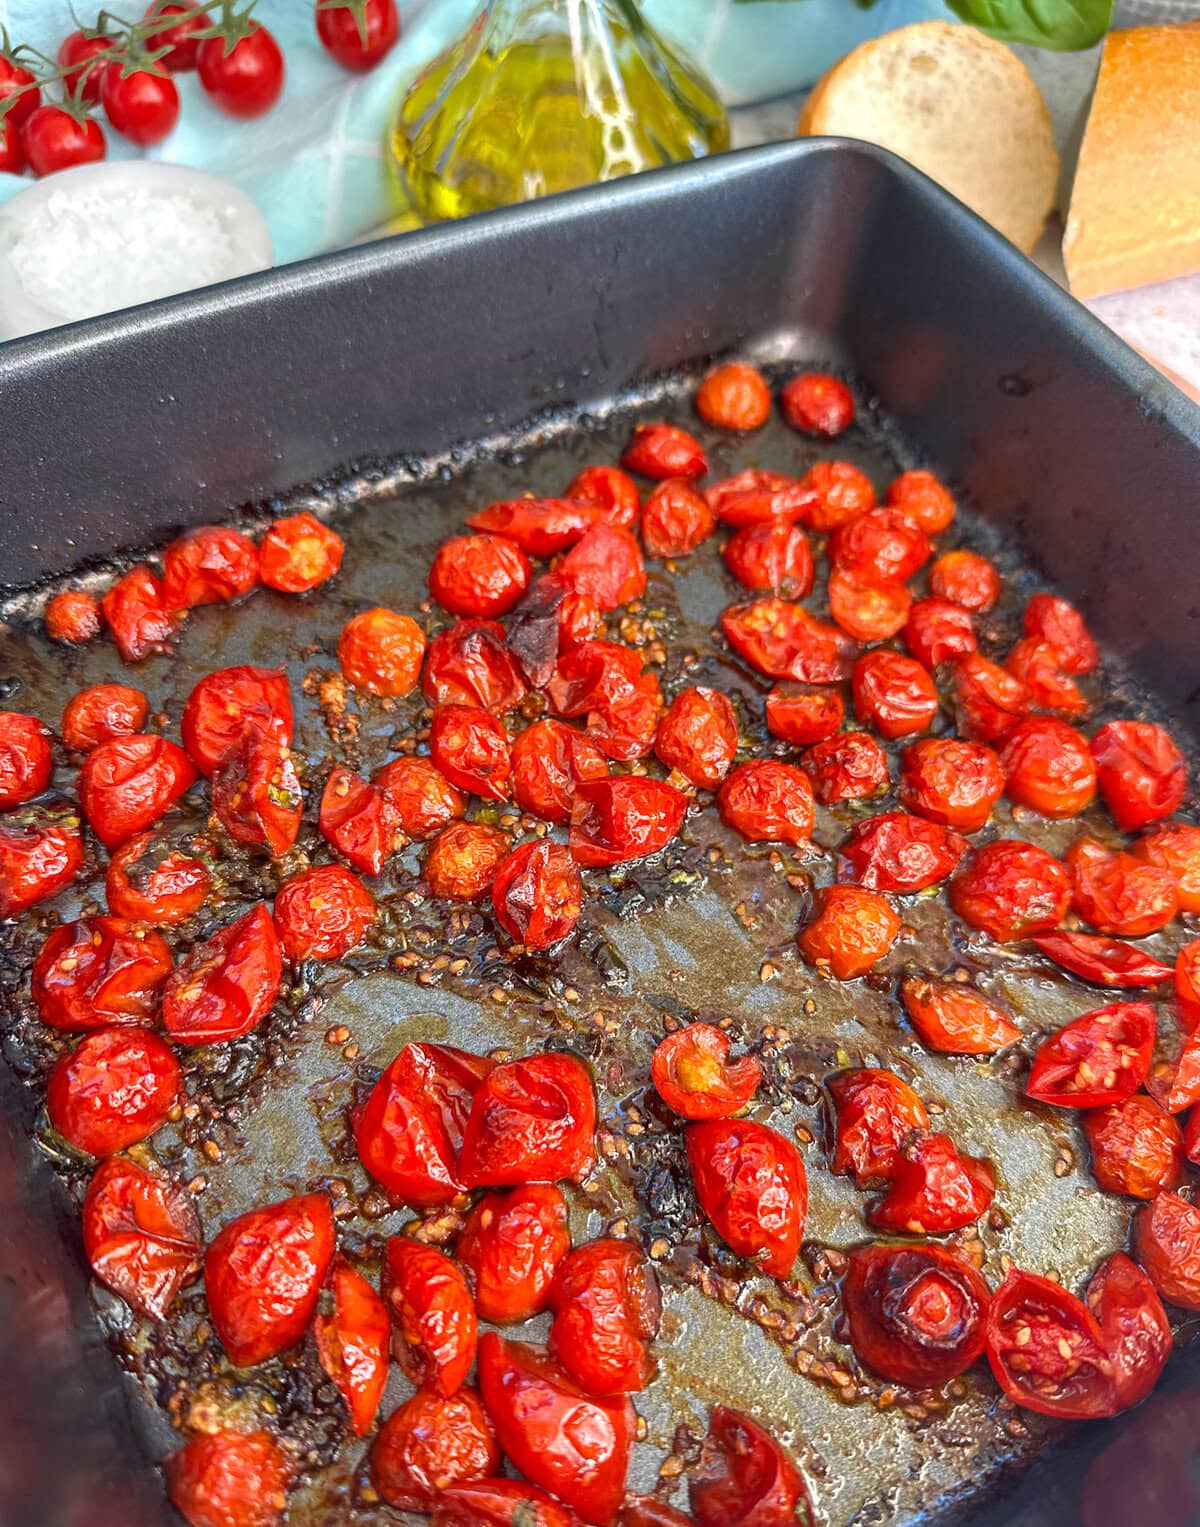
[
  {"x": 696, "y": 1079},
  {"x": 772, "y": 555},
  {"x": 1137, "y": 1148},
  {"x": 663, "y": 450},
  {"x": 954, "y": 1019},
  {"x": 537, "y": 894},
  {"x": 607, "y": 1309},
  {"x": 549, "y": 760},
  {"x": 852, "y": 929},
  {"x": 358, "y": 37},
  {"x": 934, "y": 1188},
  {"x": 470, "y": 663},
  {"x": 803, "y": 717},
  {"x": 430, "y": 1445},
  {"x": 322, "y": 913},
  {"x": 1175, "y": 847},
  {"x": 751, "y": 1184},
  {"x": 899, "y": 852},
  {"x": 96, "y": 714},
  {"x": 115, "y": 1088},
  {"x": 358, "y": 820},
  {"x": 1095, "y": 1059},
  {"x": 434, "y": 1325},
  {"x": 1011, "y": 889},
  {"x": 381, "y": 652},
  {"x": 181, "y": 21},
  {"x": 137, "y": 611},
  {"x": 530, "y": 1120},
  {"x": 951, "y": 781},
  {"x": 1048, "y": 767},
  {"x": 229, "y": 1479},
  {"x": 1047, "y": 1351},
  {"x": 926, "y": 501},
  {"x": 243, "y": 73},
  {"x": 783, "y": 641},
  {"x": 1117, "y": 893},
  {"x": 463, "y": 859},
  {"x": 41, "y": 852},
  {"x": 127, "y": 783},
  {"x": 1166, "y": 1241},
  {"x": 874, "y": 1114},
  {"x": 422, "y": 797},
  {"x": 734, "y": 396},
  {"x": 893, "y": 693},
  {"x": 744, "y": 1477},
  {"x": 847, "y": 766},
  {"x": 479, "y": 575},
  {"x": 54, "y": 138},
  {"x": 676, "y": 519},
  {"x": 150, "y": 881},
  {"x": 352, "y": 1332},
  {"x": 16, "y": 80},
  {"x": 817, "y": 404},
  {"x": 72, "y": 615},
  {"x": 967, "y": 579},
  {"x": 143, "y": 106},
  {"x": 510, "y": 1246},
  {"x": 1142, "y": 774},
  {"x": 616, "y": 819},
  {"x": 227, "y": 705},
  {"x": 141, "y": 1234},
  {"x": 98, "y": 972},
  {"x": 25, "y": 762},
  {"x": 225, "y": 986},
  {"x": 84, "y": 76},
  {"x": 1103, "y": 961},
  {"x": 299, "y": 553}
]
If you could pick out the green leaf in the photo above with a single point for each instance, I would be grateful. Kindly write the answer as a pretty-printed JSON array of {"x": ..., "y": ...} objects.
[{"x": 1064, "y": 25}]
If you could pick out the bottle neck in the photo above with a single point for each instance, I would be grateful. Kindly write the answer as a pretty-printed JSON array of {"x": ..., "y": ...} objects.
[{"x": 577, "y": 18}]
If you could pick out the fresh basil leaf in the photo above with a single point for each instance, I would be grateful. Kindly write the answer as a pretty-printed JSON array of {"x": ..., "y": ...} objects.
[{"x": 1064, "y": 25}]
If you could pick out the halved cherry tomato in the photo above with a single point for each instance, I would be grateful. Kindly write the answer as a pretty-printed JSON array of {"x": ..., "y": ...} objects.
[
  {"x": 1175, "y": 847},
  {"x": 225, "y": 987},
  {"x": 1095, "y": 1059},
  {"x": 835, "y": 491},
  {"x": 698, "y": 736},
  {"x": 695, "y": 1078},
  {"x": 470, "y": 663},
  {"x": 648, "y": 1511},
  {"x": 1047, "y": 1351},
  {"x": 299, "y": 553},
  {"x": 965, "y": 578},
  {"x": 1166, "y": 1241},
  {"x": 531, "y": 1119},
  {"x": 1059, "y": 624},
  {"x": 381, "y": 652},
  {"x": 1011, "y": 889},
  {"x": 899, "y": 852},
  {"x": 744, "y": 1477},
  {"x": 934, "y": 1188},
  {"x": 422, "y": 797},
  {"x": 869, "y": 612},
  {"x": 549, "y": 759},
  {"x": 1175, "y": 1081},
  {"x": 409, "y": 1131},
  {"x": 537, "y": 894},
  {"x": 751, "y": 1184},
  {"x": 1036, "y": 665},
  {"x": 804, "y": 716},
  {"x": 663, "y": 450},
  {"x": 1048, "y": 767},
  {"x": 352, "y": 1331},
  {"x": 541, "y": 527},
  {"x": 471, "y": 749},
  {"x": 41, "y": 852},
  {"x": 1117, "y": 893},
  {"x": 127, "y": 783},
  {"x": 511, "y": 1245},
  {"x": 1103, "y": 961},
  {"x": 479, "y": 575},
  {"x": 616, "y": 819},
  {"x": 25, "y": 763},
  {"x": 1137, "y": 1148},
  {"x": 783, "y": 641},
  {"x": 880, "y": 546},
  {"x": 463, "y": 859},
  {"x": 849, "y": 766},
  {"x": 210, "y": 565},
  {"x": 759, "y": 498},
  {"x": 138, "y": 615},
  {"x": 925, "y": 499},
  {"x": 893, "y": 693},
  {"x": 951, "y": 781},
  {"x": 676, "y": 519},
  {"x": 988, "y": 700},
  {"x": 768, "y": 801},
  {"x": 772, "y": 555},
  {"x": 98, "y": 972},
  {"x": 434, "y": 1326},
  {"x": 1187, "y": 983},
  {"x": 226, "y": 705},
  {"x": 852, "y": 930},
  {"x": 817, "y": 404},
  {"x": 609, "y": 489},
  {"x": 149, "y": 881},
  {"x": 430, "y": 1444},
  {"x": 141, "y": 1234},
  {"x": 263, "y": 1275},
  {"x": 916, "y": 1314},
  {"x": 605, "y": 682},
  {"x": 874, "y": 1114},
  {"x": 73, "y": 615},
  {"x": 938, "y": 631},
  {"x": 256, "y": 794},
  {"x": 499, "y": 1503},
  {"x": 1142, "y": 774},
  {"x": 606, "y": 565},
  {"x": 607, "y": 1309},
  {"x": 734, "y": 396},
  {"x": 358, "y": 820},
  {"x": 954, "y": 1019},
  {"x": 229, "y": 1479},
  {"x": 322, "y": 913},
  {"x": 1133, "y": 1324},
  {"x": 115, "y": 1088},
  {"x": 102, "y": 711},
  {"x": 573, "y": 1444}
]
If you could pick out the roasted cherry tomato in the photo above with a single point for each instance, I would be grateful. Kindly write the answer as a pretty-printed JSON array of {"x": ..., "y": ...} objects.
[
  {"x": 817, "y": 404},
  {"x": 852, "y": 930},
  {"x": 25, "y": 763},
  {"x": 322, "y": 913},
  {"x": 772, "y": 555},
  {"x": 880, "y": 546},
  {"x": 358, "y": 37},
  {"x": 1166, "y": 1241},
  {"x": 734, "y": 396},
  {"x": 299, "y": 553},
  {"x": 926, "y": 500},
  {"x": 463, "y": 859},
  {"x": 606, "y": 565},
  {"x": 256, "y": 794},
  {"x": 783, "y": 641},
  {"x": 127, "y": 783},
  {"x": 1133, "y": 1324},
  {"x": 744, "y": 1477},
  {"x": 537, "y": 894},
  {"x": 988, "y": 700},
  {"x": 617, "y": 819},
  {"x": 138, "y": 615},
  {"x": 1175, "y": 1081},
  {"x": 381, "y": 652},
  {"x": 1036, "y": 665},
  {"x": 246, "y": 79},
  {"x": 766, "y": 800},
  {"x": 751, "y": 1184},
  {"x": 73, "y": 615},
  {"x": 934, "y": 1188},
  {"x": 951, "y": 781},
  {"x": 1048, "y": 767},
  {"x": 179, "y": 36},
  {"x": 648, "y": 1511},
  {"x": 965, "y": 578},
  {"x": 115, "y": 1088},
  {"x": 549, "y": 759},
  {"x": 531, "y": 1119},
  {"x": 1142, "y": 774},
  {"x": 227, "y": 705},
  {"x": 40, "y": 852},
  {"x": 676, "y": 519},
  {"x": 352, "y": 1332},
  {"x": 893, "y": 693},
  {"x": 263, "y": 1274},
  {"x": 229, "y": 1479},
  {"x": 1137, "y": 1148},
  {"x": 1103, "y": 961},
  {"x": 409, "y": 1130},
  {"x": 499, "y": 1503},
  {"x": 874, "y": 1114},
  {"x": 547, "y": 624},
  {"x": 663, "y": 450},
  {"x": 479, "y": 575},
  {"x": 542, "y": 527},
  {"x": 470, "y": 663},
  {"x": 956, "y": 1019},
  {"x": 98, "y": 972},
  {"x": 607, "y": 1309},
  {"x": 434, "y": 1326},
  {"x": 836, "y": 491},
  {"x": 869, "y": 612},
  {"x": 804, "y": 716},
  {"x": 226, "y": 985},
  {"x": 916, "y": 1314},
  {"x": 605, "y": 682},
  {"x": 422, "y": 797},
  {"x": 609, "y": 489},
  {"x": 1117, "y": 893},
  {"x": 211, "y": 565},
  {"x": 759, "y": 498},
  {"x": 103, "y": 711},
  {"x": 938, "y": 631},
  {"x": 511, "y": 1246},
  {"x": 1011, "y": 889},
  {"x": 1175, "y": 847},
  {"x": 1187, "y": 983},
  {"x": 149, "y": 881},
  {"x": 141, "y": 1234},
  {"x": 695, "y": 1078},
  {"x": 1047, "y": 1351},
  {"x": 431, "y": 1444},
  {"x": 358, "y": 820},
  {"x": 899, "y": 852},
  {"x": 849, "y": 766},
  {"x": 1096, "y": 1059},
  {"x": 471, "y": 749},
  {"x": 1059, "y": 624}
]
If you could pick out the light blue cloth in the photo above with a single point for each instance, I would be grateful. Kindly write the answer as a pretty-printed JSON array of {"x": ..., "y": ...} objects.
[{"x": 316, "y": 164}]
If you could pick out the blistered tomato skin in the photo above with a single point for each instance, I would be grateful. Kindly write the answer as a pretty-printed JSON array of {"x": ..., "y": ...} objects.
[
  {"x": 698, "y": 736},
  {"x": 115, "y": 1088},
  {"x": 605, "y": 682},
  {"x": 1036, "y": 665},
  {"x": 1097, "y": 1059},
  {"x": 358, "y": 820},
  {"x": 94, "y": 715},
  {"x": 610, "y": 490},
  {"x": 226, "y": 705},
  {"x": 617, "y": 819},
  {"x": 152, "y": 882},
  {"x": 773, "y": 555},
  {"x": 1047, "y": 1351},
  {"x": 1059, "y": 624},
  {"x": 1011, "y": 889},
  {"x": 750, "y": 1182},
  {"x": 531, "y": 1119},
  {"x": 835, "y": 492},
  {"x": 256, "y": 794},
  {"x": 817, "y": 404},
  {"x": 759, "y": 498},
  {"x": 381, "y": 652},
  {"x": 606, "y": 565},
  {"x": 141, "y": 1234},
  {"x": 852, "y": 931},
  {"x": 1133, "y": 1325},
  {"x": 422, "y": 797},
  {"x": 434, "y": 1325},
  {"x": 138, "y": 615},
  {"x": 803, "y": 717},
  {"x": 229, "y": 1479},
  {"x": 768, "y": 801},
  {"x": 955, "y": 1019},
  {"x": 352, "y": 1331},
  {"x": 127, "y": 783},
  {"x": 499, "y": 1502},
  {"x": 549, "y": 759},
  {"x": 967, "y": 579},
  {"x": 867, "y": 611},
  {"x": 1117, "y": 893},
  {"x": 1141, "y": 773},
  {"x": 431, "y": 1444},
  {"x": 648, "y": 1511},
  {"x": 607, "y": 1309},
  {"x": 1175, "y": 847},
  {"x": 226, "y": 986},
  {"x": 951, "y": 781},
  {"x": 263, "y": 1274},
  {"x": 663, "y": 450},
  {"x": 322, "y": 913},
  {"x": 938, "y": 631},
  {"x": 209, "y": 565},
  {"x": 510, "y": 1247},
  {"x": 537, "y": 894},
  {"x": 875, "y": 1112},
  {"x": 1136, "y": 1147},
  {"x": 299, "y": 553},
  {"x": 676, "y": 519},
  {"x": 893, "y": 693},
  {"x": 926, "y": 501},
  {"x": 1103, "y": 961},
  {"x": 934, "y": 1188},
  {"x": 896, "y": 851},
  {"x": 470, "y": 663},
  {"x": 783, "y": 641},
  {"x": 479, "y": 575},
  {"x": 847, "y": 766},
  {"x": 73, "y": 616},
  {"x": 463, "y": 859},
  {"x": 41, "y": 852},
  {"x": 744, "y": 1477},
  {"x": 735, "y": 397},
  {"x": 25, "y": 762},
  {"x": 988, "y": 700},
  {"x": 541, "y": 527},
  {"x": 1048, "y": 767},
  {"x": 696, "y": 1079},
  {"x": 881, "y": 546},
  {"x": 1166, "y": 1242}
]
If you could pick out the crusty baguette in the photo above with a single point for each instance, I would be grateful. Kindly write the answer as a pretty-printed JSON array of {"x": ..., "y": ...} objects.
[
  {"x": 1135, "y": 205},
  {"x": 959, "y": 106}
]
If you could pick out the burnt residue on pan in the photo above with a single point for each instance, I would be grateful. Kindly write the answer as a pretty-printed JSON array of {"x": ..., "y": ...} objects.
[{"x": 707, "y": 929}]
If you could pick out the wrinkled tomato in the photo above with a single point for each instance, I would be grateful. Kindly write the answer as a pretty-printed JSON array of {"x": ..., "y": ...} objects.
[
  {"x": 430, "y": 1444},
  {"x": 115, "y": 1088},
  {"x": 649, "y": 1511},
  {"x": 1137, "y": 1148},
  {"x": 434, "y": 1325},
  {"x": 893, "y": 693},
  {"x": 1103, "y": 961},
  {"x": 804, "y": 716},
  {"x": 358, "y": 821},
  {"x": 381, "y": 652},
  {"x": 881, "y": 546},
  {"x": 988, "y": 700},
  {"x": 97, "y": 972},
  {"x": 226, "y": 705},
  {"x": 229, "y": 1479},
  {"x": 835, "y": 492},
  {"x": 479, "y": 575},
  {"x": 849, "y": 766},
  {"x": 766, "y": 800},
  {"x": 210, "y": 565},
  {"x": 25, "y": 762},
  {"x": 1141, "y": 773},
  {"x": 734, "y": 396},
  {"x": 695, "y": 1078},
  {"x": 541, "y": 527},
  {"x": 743, "y": 1476},
  {"x": 1187, "y": 983},
  {"x": 72, "y": 616},
  {"x": 463, "y": 859},
  {"x": 537, "y": 894},
  {"x": 934, "y": 1188},
  {"x": 138, "y": 615},
  {"x": 938, "y": 631},
  {"x": 510, "y": 1246},
  {"x": 352, "y": 1331},
  {"x": 1059, "y": 624},
  {"x": 869, "y": 612},
  {"x": 606, "y": 565},
  {"x": 322, "y": 913},
  {"x": 226, "y": 986},
  {"x": 610, "y": 489},
  {"x": 951, "y": 781},
  {"x": 149, "y": 881},
  {"x": 926, "y": 500},
  {"x": 256, "y": 793},
  {"x": 299, "y": 553},
  {"x": 41, "y": 852},
  {"x": 874, "y": 1114},
  {"x": 1174, "y": 1081},
  {"x": 549, "y": 759},
  {"x": 607, "y": 1309},
  {"x": 676, "y": 519},
  {"x": 1095, "y": 1059},
  {"x": 1117, "y": 893},
  {"x": 852, "y": 930},
  {"x": 1047, "y": 1351},
  {"x": 1166, "y": 1241},
  {"x": 605, "y": 682},
  {"x": 102, "y": 711},
  {"x": 531, "y": 1119},
  {"x": 1048, "y": 767},
  {"x": 1133, "y": 1325},
  {"x": 754, "y": 498},
  {"x": 470, "y": 663},
  {"x": 615, "y": 819},
  {"x": 1175, "y": 847},
  {"x": 955, "y": 1019},
  {"x": 471, "y": 748},
  {"x": 772, "y": 555},
  {"x": 698, "y": 736},
  {"x": 1036, "y": 665},
  {"x": 422, "y": 797},
  {"x": 783, "y": 641},
  {"x": 967, "y": 579},
  {"x": 751, "y": 1184},
  {"x": 664, "y": 450},
  {"x": 127, "y": 783},
  {"x": 141, "y": 1235},
  {"x": 499, "y": 1502},
  {"x": 1011, "y": 889},
  {"x": 817, "y": 404},
  {"x": 899, "y": 852}
]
